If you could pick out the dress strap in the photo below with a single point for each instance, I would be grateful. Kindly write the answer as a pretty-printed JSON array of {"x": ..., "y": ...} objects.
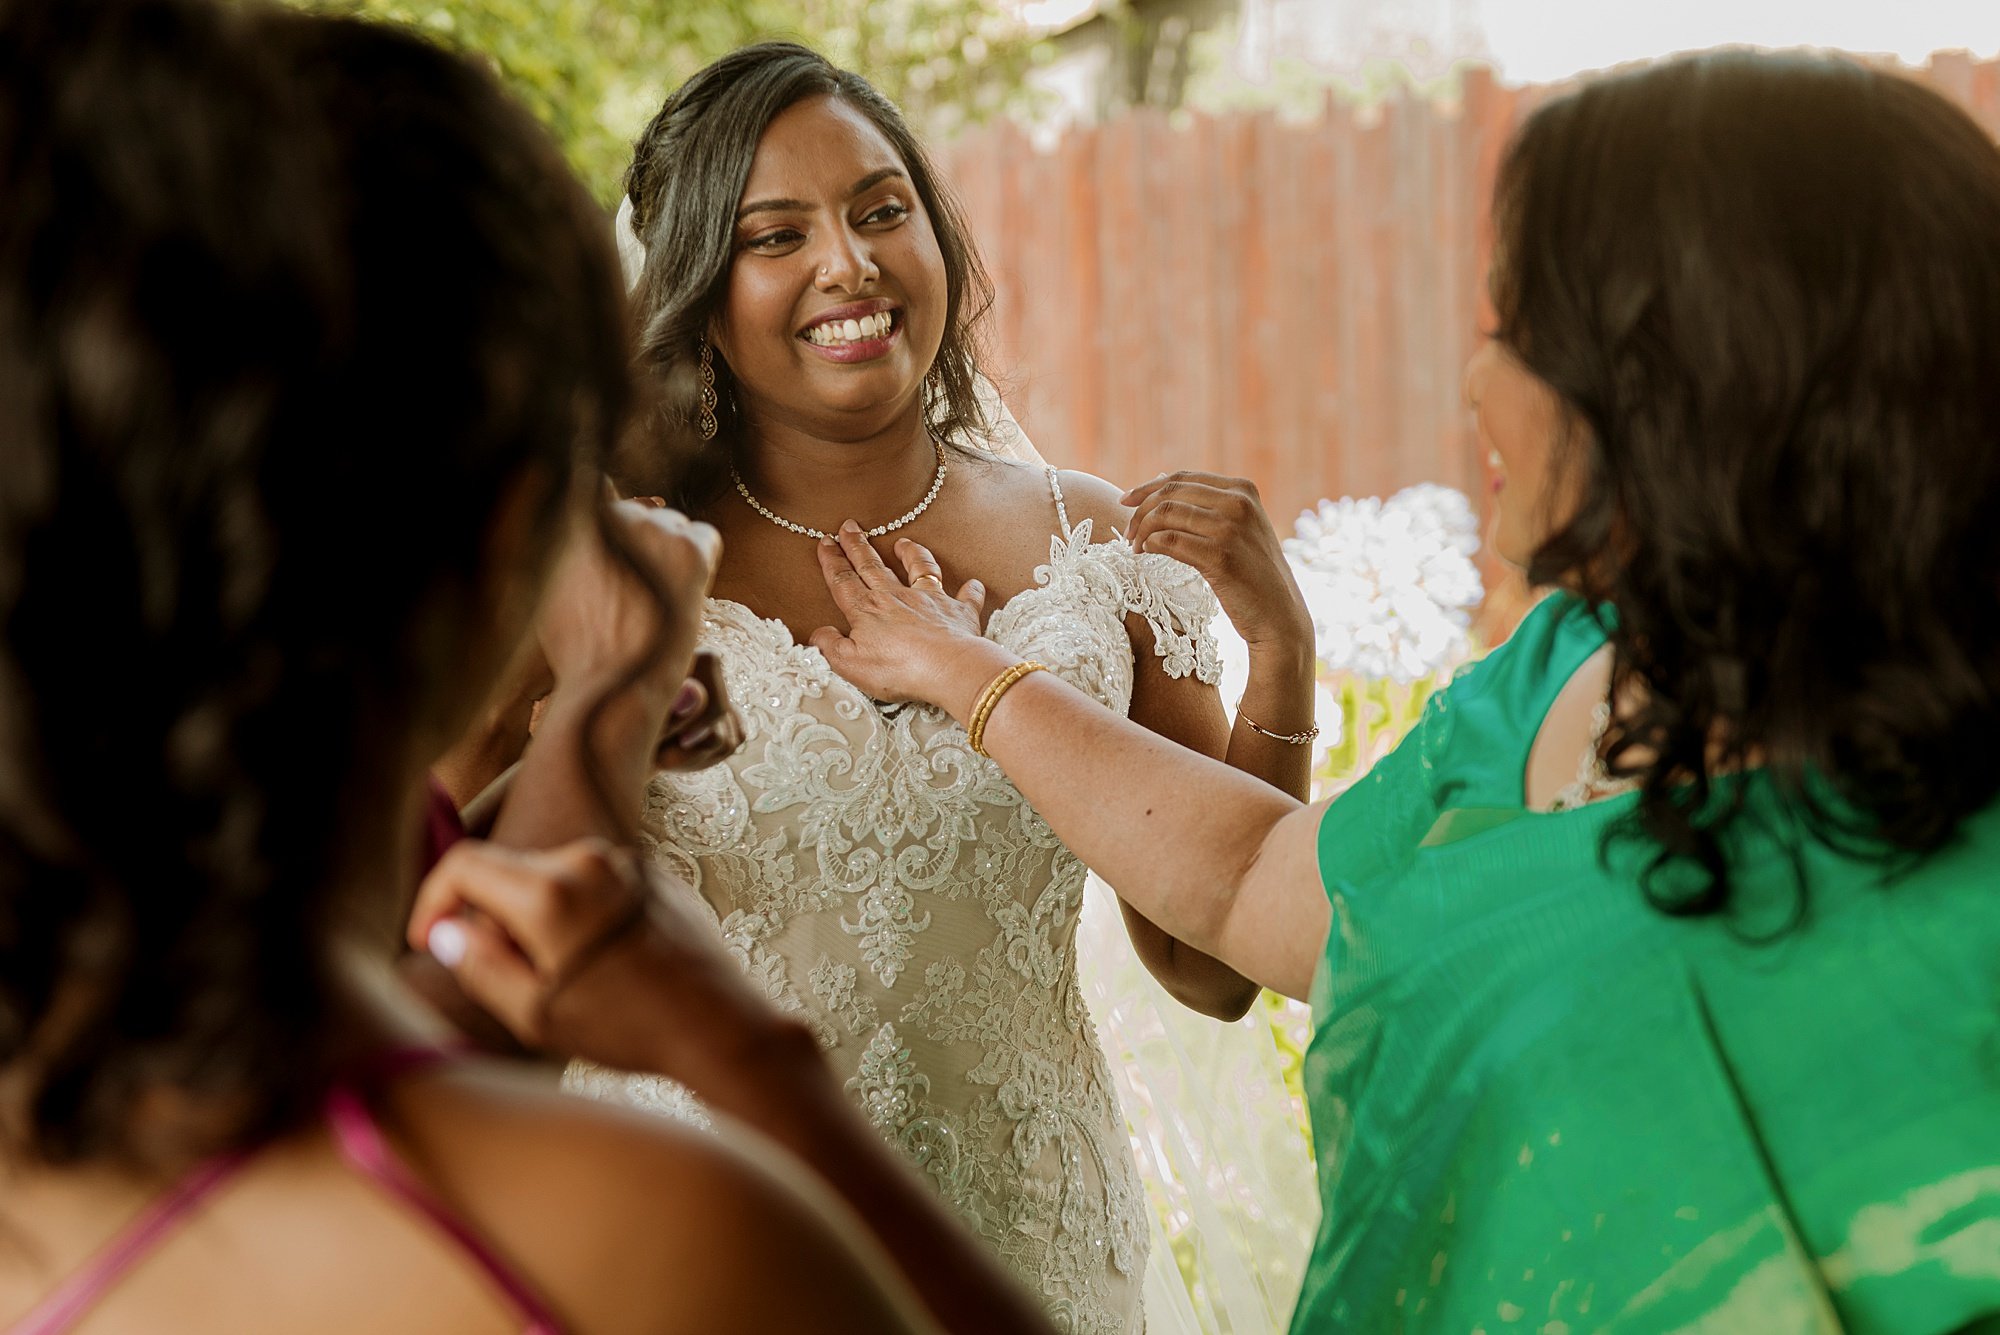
[
  {"x": 61, "y": 1310},
  {"x": 1055, "y": 490},
  {"x": 361, "y": 1143}
]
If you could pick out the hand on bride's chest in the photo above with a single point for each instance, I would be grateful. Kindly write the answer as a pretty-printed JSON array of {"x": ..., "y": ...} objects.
[{"x": 993, "y": 524}]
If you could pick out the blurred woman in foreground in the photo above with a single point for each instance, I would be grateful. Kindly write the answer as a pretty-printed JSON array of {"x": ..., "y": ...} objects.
[{"x": 311, "y": 353}]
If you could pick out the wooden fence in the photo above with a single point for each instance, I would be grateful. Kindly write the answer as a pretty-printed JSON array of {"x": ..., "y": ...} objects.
[{"x": 1291, "y": 302}]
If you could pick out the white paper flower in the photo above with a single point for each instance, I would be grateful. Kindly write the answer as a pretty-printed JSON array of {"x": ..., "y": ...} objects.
[
  {"x": 1390, "y": 584},
  {"x": 1442, "y": 510}
]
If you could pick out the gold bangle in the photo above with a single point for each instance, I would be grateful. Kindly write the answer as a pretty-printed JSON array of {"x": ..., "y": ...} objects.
[
  {"x": 989, "y": 699},
  {"x": 1289, "y": 738}
]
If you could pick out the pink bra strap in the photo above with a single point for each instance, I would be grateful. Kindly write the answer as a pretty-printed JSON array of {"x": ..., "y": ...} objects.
[
  {"x": 62, "y": 1309},
  {"x": 363, "y": 1145}
]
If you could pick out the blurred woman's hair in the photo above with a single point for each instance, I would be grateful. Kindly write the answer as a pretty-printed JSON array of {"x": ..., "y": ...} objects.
[
  {"x": 1767, "y": 292},
  {"x": 290, "y": 310},
  {"x": 689, "y": 170}
]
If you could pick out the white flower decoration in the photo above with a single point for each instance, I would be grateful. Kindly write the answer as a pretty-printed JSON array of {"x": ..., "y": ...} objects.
[{"x": 1390, "y": 584}]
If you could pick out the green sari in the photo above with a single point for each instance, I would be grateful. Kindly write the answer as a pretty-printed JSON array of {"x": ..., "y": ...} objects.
[{"x": 1540, "y": 1104}]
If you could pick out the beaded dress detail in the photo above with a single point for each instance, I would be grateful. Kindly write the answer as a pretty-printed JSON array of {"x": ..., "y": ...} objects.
[{"x": 893, "y": 888}]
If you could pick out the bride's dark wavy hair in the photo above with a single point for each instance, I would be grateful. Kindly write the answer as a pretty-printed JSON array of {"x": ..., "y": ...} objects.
[
  {"x": 290, "y": 309},
  {"x": 1767, "y": 291},
  {"x": 688, "y": 172}
]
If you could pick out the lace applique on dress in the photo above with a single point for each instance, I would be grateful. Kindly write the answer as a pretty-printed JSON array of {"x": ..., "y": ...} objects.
[{"x": 878, "y": 878}]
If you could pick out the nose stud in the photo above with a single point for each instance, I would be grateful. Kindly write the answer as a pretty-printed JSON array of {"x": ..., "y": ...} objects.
[{"x": 870, "y": 271}]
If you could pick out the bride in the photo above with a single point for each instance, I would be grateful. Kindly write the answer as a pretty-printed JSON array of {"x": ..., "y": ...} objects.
[{"x": 810, "y": 298}]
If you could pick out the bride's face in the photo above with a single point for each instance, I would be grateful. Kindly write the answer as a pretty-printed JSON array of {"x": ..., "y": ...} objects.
[{"x": 837, "y": 293}]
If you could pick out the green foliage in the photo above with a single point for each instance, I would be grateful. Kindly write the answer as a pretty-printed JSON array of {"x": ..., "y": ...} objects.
[{"x": 596, "y": 70}]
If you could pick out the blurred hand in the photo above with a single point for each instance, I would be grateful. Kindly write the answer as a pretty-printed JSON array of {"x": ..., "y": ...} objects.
[
  {"x": 703, "y": 728},
  {"x": 577, "y": 955},
  {"x": 1217, "y": 525},
  {"x": 906, "y": 639},
  {"x": 599, "y": 619}
]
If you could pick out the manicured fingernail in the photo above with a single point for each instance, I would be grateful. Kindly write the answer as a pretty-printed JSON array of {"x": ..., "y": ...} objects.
[
  {"x": 849, "y": 526},
  {"x": 446, "y": 942},
  {"x": 828, "y": 542},
  {"x": 688, "y": 700},
  {"x": 974, "y": 587},
  {"x": 698, "y": 736}
]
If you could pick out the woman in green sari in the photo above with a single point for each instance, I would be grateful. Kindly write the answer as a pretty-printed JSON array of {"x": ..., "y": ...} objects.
[{"x": 1657, "y": 975}]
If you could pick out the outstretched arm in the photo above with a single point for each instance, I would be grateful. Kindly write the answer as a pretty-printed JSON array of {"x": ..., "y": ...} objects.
[{"x": 1217, "y": 858}]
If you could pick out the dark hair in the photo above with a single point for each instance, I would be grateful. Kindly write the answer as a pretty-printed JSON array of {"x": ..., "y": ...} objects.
[
  {"x": 288, "y": 307},
  {"x": 689, "y": 169},
  {"x": 1767, "y": 291}
]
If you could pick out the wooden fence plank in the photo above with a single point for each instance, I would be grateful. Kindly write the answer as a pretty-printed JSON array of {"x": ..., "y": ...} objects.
[
  {"x": 1292, "y": 303},
  {"x": 1125, "y": 331},
  {"x": 1380, "y": 333},
  {"x": 1322, "y": 364}
]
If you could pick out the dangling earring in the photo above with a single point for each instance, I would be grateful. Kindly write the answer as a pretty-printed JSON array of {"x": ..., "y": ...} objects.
[
  {"x": 933, "y": 386},
  {"x": 707, "y": 425}
]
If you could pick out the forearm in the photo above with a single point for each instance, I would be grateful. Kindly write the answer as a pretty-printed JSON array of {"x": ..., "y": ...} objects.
[
  {"x": 1278, "y": 698},
  {"x": 484, "y": 753},
  {"x": 765, "y": 1070},
  {"x": 585, "y": 773},
  {"x": 1178, "y": 835},
  {"x": 953, "y": 1273},
  {"x": 1195, "y": 979}
]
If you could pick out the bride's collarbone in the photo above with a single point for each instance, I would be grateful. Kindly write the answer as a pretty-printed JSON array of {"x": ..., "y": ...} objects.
[
  {"x": 994, "y": 527},
  {"x": 803, "y": 611},
  {"x": 789, "y": 586}
]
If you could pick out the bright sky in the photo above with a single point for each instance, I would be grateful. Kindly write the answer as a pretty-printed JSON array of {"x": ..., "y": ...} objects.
[{"x": 1535, "y": 41}]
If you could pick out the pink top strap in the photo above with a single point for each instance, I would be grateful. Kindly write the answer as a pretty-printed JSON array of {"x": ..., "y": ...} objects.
[
  {"x": 361, "y": 1142},
  {"x": 63, "y": 1308}
]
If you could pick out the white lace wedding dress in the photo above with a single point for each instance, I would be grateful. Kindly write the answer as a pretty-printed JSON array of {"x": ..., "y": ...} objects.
[{"x": 877, "y": 877}]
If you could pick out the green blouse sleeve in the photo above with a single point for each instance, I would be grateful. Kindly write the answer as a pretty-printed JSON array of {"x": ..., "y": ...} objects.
[
  {"x": 1368, "y": 830},
  {"x": 1469, "y": 748}
]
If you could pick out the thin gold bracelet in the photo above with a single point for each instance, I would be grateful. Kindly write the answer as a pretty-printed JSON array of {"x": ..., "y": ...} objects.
[
  {"x": 989, "y": 699},
  {"x": 1305, "y": 738}
]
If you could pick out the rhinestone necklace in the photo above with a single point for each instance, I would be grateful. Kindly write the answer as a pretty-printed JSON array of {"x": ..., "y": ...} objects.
[{"x": 937, "y": 483}]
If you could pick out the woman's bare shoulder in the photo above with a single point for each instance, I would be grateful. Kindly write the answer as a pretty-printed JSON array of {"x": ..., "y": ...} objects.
[
  {"x": 1026, "y": 485},
  {"x": 629, "y": 1221},
  {"x": 1091, "y": 497}
]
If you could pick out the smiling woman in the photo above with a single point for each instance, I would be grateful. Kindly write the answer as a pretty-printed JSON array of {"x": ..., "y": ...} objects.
[
  {"x": 811, "y": 298},
  {"x": 879, "y": 263}
]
